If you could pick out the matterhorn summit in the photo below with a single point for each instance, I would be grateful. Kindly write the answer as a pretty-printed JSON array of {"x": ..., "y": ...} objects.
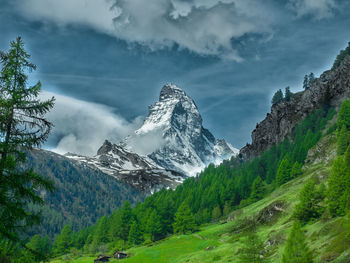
[
  {"x": 180, "y": 141},
  {"x": 170, "y": 145}
]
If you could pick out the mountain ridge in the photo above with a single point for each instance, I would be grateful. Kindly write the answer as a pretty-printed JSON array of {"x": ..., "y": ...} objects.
[{"x": 332, "y": 87}]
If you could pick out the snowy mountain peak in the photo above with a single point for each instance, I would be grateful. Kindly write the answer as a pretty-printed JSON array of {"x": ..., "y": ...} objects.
[
  {"x": 171, "y": 91},
  {"x": 170, "y": 145},
  {"x": 179, "y": 142}
]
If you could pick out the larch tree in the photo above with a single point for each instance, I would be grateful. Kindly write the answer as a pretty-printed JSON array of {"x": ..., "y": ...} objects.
[
  {"x": 277, "y": 97},
  {"x": 343, "y": 140},
  {"x": 284, "y": 171},
  {"x": 22, "y": 126},
  {"x": 296, "y": 249},
  {"x": 338, "y": 187},
  {"x": 184, "y": 220},
  {"x": 306, "y": 82},
  {"x": 257, "y": 190},
  {"x": 288, "y": 94}
]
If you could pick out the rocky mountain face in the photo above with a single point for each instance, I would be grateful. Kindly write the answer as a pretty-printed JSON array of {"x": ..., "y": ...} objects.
[
  {"x": 130, "y": 168},
  {"x": 183, "y": 144},
  {"x": 170, "y": 146},
  {"x": 333, "y": 86}
]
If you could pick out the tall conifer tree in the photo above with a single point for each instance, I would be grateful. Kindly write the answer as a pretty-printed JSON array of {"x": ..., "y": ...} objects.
[{"x": 22, "y": 126}]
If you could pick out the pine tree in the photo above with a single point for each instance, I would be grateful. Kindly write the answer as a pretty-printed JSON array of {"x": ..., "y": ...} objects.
[
  {"x": 338, "y": 187},
  {"x": 227, "y": 209},
  {"x": 306, "y": 83},
  {"x": 288, "y": 94},
  {"x": 296, "y": 170},
  {"x": 277, "y": 97},
  {"x": 135, "y": 234},
  {"x": 253, "y": 248},
  {"x": 309, "y": 203},
  {"x": 284, "y": 171},
  {"x": 296, "y": 249},
  {"x": 154, "y": 226},
  {"x": 63, "y": 241},
  {"x": 101, "y": 232},
  {"x": 311, "y": 78},
  {"x": 216, "y": 213},
  {"x": 22, "y": 126},
  {"x": 344, "y": 115},
  {"x": 347, "y": 156},
  {"x": 343, "y": 140},
  {"x": 184, "y": 220},
  {"x": 126, "y": 216},
  {"x": 258, "y": 190},
  {"x": 41, "y": 246}
]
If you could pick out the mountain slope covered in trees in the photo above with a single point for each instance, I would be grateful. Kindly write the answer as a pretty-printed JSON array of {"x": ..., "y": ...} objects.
[{"x": 266, "y": 228}]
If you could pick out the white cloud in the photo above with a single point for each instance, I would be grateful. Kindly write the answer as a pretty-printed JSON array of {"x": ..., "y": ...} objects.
[
  {"x": 201, "y": 26},
  {"x": 81, "y": 126},
  {"x": 146, "y": 143},
  {"x": 319, "y": 9}
]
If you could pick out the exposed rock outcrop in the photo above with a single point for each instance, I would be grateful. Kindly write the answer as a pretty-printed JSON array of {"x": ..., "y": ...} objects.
[{"x": 333, "y": 86}]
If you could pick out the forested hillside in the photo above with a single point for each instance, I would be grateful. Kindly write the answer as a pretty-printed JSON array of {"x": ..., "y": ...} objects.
[
  {"x": 81, "y": 195},
  {"x": 301, "y": 215}
]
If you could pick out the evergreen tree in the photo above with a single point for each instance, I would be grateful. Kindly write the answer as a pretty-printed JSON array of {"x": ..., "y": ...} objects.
[
  {"x": 258, "y": 190},
  {"x": 343, "y": 140},
  {"x": 41, "y": 246},
  {"x": 216, "y": 213},
  {"x": 126, "y": 216},
  {"x": 288, "y": 94},
  {"x": 135, "y": 234},
  {"x": 340, "y": 57},
  {"x": 311, "y": 77},
  {"x": 277, "y": 97},
  {"x": 115, "y": 226},
  {"x": 309, "y": 206},
  {"x": 22, "y": 126},
  {"x": 154, "y": 226},
  {"x": 63, "y": 241},
  {"x": 306, "y": 83},
  {"x": 296, "y": 170},
  {"x": 253, "y": 248},
  {"x": 338, "y": 187},
  {"x": 184, "y": 220},
  {"x": 284, "y": 171},
  {"x": 347, "y": 156},
  {"x": 101, "y": 232},
  {"x": 344, "y": 115},
  {"x": 296, "y": 249},
  {"x": 227, "y": 209}
]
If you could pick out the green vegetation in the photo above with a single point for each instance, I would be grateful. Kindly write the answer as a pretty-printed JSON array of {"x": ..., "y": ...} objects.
[
  {"x": 22, "y": 126},
  {"x": 326, "y": 238},
  {"x": 277, "y": 97},
  {"x": 184, "y": 220},
  {"x": 309, "y": 207},
  {"x": 217, "y": 191},
  {"x": 296, "y": 249},
  {"x": 339, "y": 180},
  {"x": 341, "y": 56}
]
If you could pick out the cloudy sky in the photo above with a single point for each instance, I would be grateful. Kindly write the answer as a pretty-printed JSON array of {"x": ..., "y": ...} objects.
[{"x": 106, "y": 60}]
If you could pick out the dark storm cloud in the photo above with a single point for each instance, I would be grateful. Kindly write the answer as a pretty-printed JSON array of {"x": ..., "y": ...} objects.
[{"x": 81, "y": 55}]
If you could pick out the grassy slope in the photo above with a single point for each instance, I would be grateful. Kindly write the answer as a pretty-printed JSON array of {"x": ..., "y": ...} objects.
[{"x": 328, "y": 238}]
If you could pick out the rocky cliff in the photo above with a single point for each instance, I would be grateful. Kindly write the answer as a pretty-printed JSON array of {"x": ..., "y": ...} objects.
[{"x": 333, "y": 86}]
